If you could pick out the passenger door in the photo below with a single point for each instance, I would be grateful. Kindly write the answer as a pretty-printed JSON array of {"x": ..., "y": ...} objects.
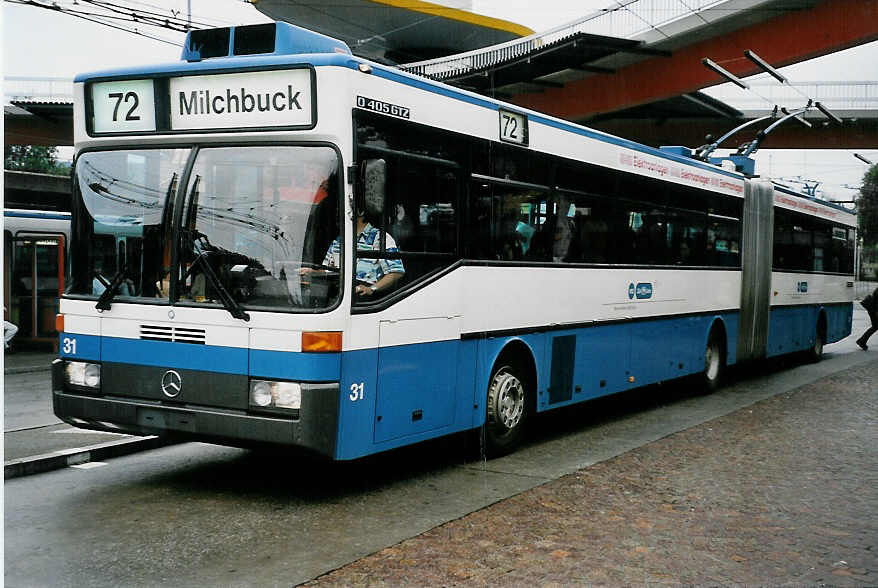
[
  {"x": 36, "y": 285},
  {"x": 416, "y": 381},
  {"x": 419, "y": 333}
]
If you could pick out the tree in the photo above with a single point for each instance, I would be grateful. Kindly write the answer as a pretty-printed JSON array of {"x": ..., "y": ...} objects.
[
  {"x": 867, "y": 219},
  {"x": 34, "y": 158},
  {"x": 867, "y": 208}
]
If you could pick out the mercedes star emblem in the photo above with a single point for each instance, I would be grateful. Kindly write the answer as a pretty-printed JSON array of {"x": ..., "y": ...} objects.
[{"x": 172, "y": 384}]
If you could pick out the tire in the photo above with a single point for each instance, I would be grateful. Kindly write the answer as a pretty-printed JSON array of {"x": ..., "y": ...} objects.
[
  {"x": 507, "y": 410},
  {"x": 714, "y": 362},
  {"x": 815, "y": 354}
]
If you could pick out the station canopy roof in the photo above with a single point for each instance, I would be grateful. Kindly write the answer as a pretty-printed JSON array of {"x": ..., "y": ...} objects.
[
  {"x": 395, "y": 31},
  {"x": 576, "y": 52}
]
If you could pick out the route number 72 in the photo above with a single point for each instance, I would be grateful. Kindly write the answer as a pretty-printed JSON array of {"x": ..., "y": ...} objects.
[
  {"x": 126, "y": 97},
  {"x": 513, "y": 127}
]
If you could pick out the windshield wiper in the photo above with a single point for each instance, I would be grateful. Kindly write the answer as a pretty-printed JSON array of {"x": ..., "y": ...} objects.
[
  {"x": 228, "y": 301},
  {"x": 106, "y": 299}
]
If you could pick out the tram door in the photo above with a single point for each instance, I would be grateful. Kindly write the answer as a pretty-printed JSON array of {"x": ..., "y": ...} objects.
[{"x": 35, "y": 279}]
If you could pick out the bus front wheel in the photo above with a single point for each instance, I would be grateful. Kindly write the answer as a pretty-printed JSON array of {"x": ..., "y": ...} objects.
[{"x": 506, "y": 410}]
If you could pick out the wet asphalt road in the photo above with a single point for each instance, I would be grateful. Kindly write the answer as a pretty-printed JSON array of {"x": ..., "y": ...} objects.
[{"x": 197, "y": 514}]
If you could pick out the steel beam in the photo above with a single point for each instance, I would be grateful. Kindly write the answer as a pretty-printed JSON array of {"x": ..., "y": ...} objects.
[
  {"x": 793, "y": 36},
  {"x": 862, "y": 134}
]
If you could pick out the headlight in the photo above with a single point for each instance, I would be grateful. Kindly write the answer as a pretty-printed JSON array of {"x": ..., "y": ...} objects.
[
  {"x": 266, "y": 394},
  {"x": 82, "y": 374},
  {"x": 260, "y": 393}
]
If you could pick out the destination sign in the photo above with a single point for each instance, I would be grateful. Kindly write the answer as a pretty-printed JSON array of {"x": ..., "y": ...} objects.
[
  {"x": 123, "y": 107},
  {"x": 243, "y": 100}
]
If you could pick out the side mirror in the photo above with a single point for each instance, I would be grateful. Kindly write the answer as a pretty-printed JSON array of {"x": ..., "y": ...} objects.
[{"x": 374, "y": 185}]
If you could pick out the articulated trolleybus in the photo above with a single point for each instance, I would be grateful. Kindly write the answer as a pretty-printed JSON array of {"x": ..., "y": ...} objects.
[{"x": 318, "y": 251}]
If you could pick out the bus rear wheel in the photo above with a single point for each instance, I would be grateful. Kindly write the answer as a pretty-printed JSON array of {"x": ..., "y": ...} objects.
[
  {"x": 506, "y": 410},
  {"x": 714, "y": 362},
  {"x": 815, "y": 354}
]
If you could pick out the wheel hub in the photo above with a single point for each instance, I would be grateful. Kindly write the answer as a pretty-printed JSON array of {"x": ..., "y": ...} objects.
[{"x": 510, "y": 401}]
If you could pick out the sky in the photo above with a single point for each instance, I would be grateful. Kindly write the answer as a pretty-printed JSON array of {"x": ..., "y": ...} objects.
[{"x": 44, "y": 43}]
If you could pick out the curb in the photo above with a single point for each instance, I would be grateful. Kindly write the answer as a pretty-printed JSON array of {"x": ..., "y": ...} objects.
[
  {"x": 67, "y": 457},
  {"x": 26, "y": 369}
]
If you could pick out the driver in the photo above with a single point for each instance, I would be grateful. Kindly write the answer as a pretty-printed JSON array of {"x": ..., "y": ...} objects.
[{"x": 375, "y": 277}]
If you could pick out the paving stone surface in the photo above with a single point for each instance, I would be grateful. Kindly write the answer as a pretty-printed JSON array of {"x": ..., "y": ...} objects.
[{"x": 782, "y": 493}]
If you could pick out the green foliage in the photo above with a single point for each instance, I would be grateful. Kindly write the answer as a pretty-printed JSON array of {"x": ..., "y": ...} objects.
[
  {"x": 34, "y": 158},
  {"x": 867, "y": 208}
]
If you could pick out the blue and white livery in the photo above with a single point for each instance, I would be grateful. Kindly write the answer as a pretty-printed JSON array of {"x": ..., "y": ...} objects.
[{"x": 516, "y": 263}]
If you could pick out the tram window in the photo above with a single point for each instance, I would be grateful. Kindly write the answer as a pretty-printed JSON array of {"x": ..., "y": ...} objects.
[
  {"x": 649, "y": 231},
  {"x": 421, "y": 208},
  {"x": 723, "y": 242},
  {"x": 590, "y": 179},
  {"x": 590, "y": 230},
  {"x": 793, "y": 241},
  {"x": 653, "y": 193},
  {"x": 416, "y": 231},
  {"x": 124, "y": 196},
  {"x": 687, "y": 239},
  {"x": 385, "y": 133},
  {"x": 514, "y": 163},
  {"x": 103, "y": 260},
  {"x": 841, "y": 247},
  {"x": 509, "y": 223},
  {"x": 692, "y": 199},
  {"x": 263, "y": 219},
  {"x": 822, "y": 236}
]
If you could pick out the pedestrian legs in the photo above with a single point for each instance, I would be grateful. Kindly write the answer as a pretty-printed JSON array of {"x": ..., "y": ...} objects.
[
  {"x": 9, "y": 331},
  {"x": 873, "y": 316}
]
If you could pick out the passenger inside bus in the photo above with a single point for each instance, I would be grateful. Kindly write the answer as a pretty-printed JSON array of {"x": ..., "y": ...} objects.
[{"x": 565, "y": 233}]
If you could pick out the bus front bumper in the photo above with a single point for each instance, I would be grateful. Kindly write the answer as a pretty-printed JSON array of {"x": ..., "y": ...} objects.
[{"x": 314, "y": 429}]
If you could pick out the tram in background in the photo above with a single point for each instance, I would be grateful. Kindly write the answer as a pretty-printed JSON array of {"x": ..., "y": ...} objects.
[
  {"x": 329, "y": 253},
  {"x": 35, "y": 246}
]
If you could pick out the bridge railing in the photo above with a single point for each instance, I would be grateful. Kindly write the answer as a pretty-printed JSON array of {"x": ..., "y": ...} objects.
[
  {"x": 37, "y": 89},
  {"x": 628, "y": 20},
  {"x": 766, "y": 93}
]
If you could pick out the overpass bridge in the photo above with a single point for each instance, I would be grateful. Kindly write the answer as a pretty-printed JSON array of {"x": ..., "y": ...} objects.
[
  {"x": 645, "y": 51},
  {"x": 39, "y": 111},
  {"x": 685, "y": 120},
  {"x": 633, "y": 69}
]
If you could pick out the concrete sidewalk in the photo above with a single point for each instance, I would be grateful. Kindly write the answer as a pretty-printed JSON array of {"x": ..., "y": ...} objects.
[
  {"x": 779, "y": 493},
  {"x": 23, "y": 362}
]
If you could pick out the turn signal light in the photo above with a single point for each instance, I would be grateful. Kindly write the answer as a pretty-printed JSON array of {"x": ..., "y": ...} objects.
[
  {"x": 321, "y": 341},
  {"x": 59, "y": 323}
]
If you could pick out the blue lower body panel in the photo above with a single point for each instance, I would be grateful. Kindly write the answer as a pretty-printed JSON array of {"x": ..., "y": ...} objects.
[
  {"x": 398, "y": 395},
  {"x": 794, "y": 328}
]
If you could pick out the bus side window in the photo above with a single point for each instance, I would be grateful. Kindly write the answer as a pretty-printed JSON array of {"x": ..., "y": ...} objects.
[
  {"x": 421, "y": 215},
  {"x": 412, "y": 233}
]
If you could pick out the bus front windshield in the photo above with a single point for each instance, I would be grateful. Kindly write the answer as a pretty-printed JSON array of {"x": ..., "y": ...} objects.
[{"x": 249, "y": 230}]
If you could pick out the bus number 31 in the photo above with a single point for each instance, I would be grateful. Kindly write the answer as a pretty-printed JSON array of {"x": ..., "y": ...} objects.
[
  {"x": 356, "y": 391},
  {"x": 69, "y": 346}
]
